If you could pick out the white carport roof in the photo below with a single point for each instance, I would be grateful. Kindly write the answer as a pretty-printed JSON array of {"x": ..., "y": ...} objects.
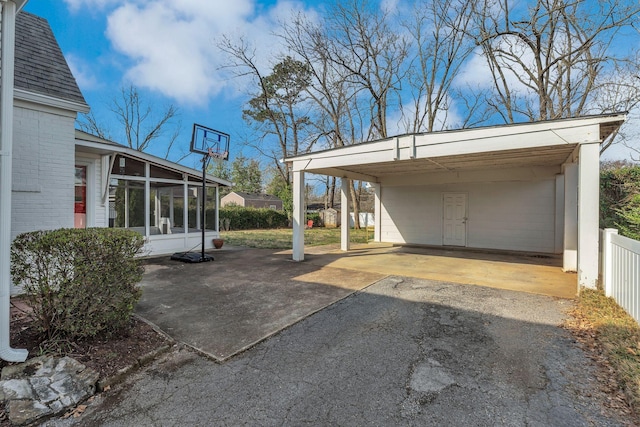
[{"x": 547, "y": 143}]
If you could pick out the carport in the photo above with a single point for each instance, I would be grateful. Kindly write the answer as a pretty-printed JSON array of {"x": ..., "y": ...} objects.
[{"x": 531, "y": 187}]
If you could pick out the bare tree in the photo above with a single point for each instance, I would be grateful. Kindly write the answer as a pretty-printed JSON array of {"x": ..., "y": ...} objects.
[
  {"x": 552, "y": 59},
  {"x": 137, "y": 119},
  {"x": 369, "y": 53},
  {"x": 356, "y": 63},
  {"x": 333, "y": 95},
  {"x": 141, "y": 123},
  {"x": 439, "y": 50},
  {"x": 278, "y": 107},
  {"x": 89, "y": 123}
]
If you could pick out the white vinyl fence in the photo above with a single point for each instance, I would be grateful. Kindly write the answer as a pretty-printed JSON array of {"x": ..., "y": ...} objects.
[
  {"x": 366, "y": 219},
  {"x": 621, "y": 270}
]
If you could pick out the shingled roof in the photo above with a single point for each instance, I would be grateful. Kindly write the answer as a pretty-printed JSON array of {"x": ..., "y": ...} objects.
[{"x": 40, "y": 66}]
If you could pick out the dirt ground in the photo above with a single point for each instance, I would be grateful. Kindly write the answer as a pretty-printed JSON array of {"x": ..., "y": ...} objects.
[{"x": 106, "y": 356}]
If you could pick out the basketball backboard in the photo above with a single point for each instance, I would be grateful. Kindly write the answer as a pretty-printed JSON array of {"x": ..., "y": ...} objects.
[{"x": 209, "y": 142}]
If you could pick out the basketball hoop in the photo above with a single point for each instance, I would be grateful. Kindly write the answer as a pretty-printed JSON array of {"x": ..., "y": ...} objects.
[
  {"x": 216, "y": 155},
  {"x": 210, "y": 143}
]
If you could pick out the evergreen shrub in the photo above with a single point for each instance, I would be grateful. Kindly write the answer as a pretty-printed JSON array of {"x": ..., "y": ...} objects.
[
  {"x": 248, "y": 218},
  {"x": 620, "y": 199},
  {"x": 80, "y": 283}
]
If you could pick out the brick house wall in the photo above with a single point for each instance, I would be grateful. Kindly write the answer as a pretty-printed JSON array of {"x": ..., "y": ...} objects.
[{"x": 42, "y": 169}]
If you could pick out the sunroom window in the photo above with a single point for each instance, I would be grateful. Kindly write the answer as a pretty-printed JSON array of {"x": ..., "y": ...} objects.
[{"x": 168, "y": 214}]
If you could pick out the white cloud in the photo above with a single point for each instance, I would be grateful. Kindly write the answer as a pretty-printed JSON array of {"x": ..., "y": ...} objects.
[
  {"x": 172, "y": 45},
  {"x": 75, "y": 5},
  {"x": 626, "y": 145},
  {"x": 476, "y": 72},
  {"x": 389, "y": 5},
  {"x": 400, "y": 122}
]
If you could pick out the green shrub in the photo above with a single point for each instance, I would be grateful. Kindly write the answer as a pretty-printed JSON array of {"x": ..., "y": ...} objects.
[
  {"x": 249, "y": 218},
  {"x": 315, "y": 217},
  {"x": 81, "y": 283},
  {"x": 629, "y": 218},
  {"x": 620, "y": 199}
]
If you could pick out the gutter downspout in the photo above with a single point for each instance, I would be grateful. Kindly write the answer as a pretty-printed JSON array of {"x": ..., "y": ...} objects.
[{"x": 7, "y": 57}]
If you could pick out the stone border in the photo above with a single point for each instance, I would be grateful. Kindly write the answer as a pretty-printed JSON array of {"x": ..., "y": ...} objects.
[{"x": 46, "y": 386}]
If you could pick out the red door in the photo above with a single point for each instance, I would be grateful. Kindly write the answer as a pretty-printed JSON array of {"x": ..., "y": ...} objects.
[{"x": 80, "y": 208}]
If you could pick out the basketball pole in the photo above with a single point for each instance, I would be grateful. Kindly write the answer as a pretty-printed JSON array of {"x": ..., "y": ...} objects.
[
  {"x": 204, "y": 201},
  {"x": 207, "y": 152}
]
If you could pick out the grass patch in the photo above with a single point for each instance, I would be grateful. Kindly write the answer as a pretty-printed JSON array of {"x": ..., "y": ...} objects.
[
  {"x": 282, "y": 238},
  {"x": 605, "y": 328}
]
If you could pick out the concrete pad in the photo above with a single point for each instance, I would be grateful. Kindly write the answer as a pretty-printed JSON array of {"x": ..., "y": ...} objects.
[
  {"x": 223, "y": 307},
  {"x": 533, "y": 273}
]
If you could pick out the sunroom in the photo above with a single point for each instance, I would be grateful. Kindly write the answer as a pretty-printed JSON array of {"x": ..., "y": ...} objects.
[{"x": 116, "y": 186}]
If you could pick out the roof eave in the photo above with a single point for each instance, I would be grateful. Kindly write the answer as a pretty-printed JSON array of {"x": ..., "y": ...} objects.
[
  {"x": 50, "y": 101},
  {"x": 612, "y": 120},
  {"x": 20, "y": 4},
  {"x": 109, "y": 147}
]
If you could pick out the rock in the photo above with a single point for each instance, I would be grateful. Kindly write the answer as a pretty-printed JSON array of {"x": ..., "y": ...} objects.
[
  {"x": 22, "y": 412},
  {"x": 44, "y": 386},
  {"x": 15, "y": 389}
]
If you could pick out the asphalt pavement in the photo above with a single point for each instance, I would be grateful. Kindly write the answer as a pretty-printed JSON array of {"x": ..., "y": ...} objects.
[{"x": 403, "y": 351}]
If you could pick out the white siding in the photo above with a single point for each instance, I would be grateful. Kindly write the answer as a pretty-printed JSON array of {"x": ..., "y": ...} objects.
[
  {"x": 502, "y": 215},
  {"x": 43, "y": 171}
]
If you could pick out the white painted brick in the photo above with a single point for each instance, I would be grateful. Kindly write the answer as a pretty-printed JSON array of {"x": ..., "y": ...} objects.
[
  {"x": 42, "y": 169},
  {"x": 502, "y": 215}
]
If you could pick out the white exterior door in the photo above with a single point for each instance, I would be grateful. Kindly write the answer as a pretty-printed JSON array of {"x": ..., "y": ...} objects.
[{"x": 454, "y": 219}]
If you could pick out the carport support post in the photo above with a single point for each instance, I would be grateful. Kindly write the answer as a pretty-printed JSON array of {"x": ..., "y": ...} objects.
[
  {"x": 588, "y": 214},
  {"x": 344, "y": 214},
  {"x": 298, "y": 216},
  {"x": 570, "y": 246},
  {"x": 377, "y": 220}
]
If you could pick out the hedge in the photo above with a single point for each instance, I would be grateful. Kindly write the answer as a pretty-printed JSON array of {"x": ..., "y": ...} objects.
[{"x": 248, "y": 218}]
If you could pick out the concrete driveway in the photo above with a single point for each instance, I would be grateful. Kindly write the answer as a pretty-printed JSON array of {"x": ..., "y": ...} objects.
[
  {"x": 403, "y": 351},
  {"x": 223, "y": 307}
]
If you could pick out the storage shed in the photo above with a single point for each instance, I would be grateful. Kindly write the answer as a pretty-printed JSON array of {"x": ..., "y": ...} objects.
[{"x": 330, "y": 217}]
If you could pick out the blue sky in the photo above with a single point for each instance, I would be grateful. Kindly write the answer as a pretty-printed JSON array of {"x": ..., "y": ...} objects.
[{"x": 167, "y": 49}]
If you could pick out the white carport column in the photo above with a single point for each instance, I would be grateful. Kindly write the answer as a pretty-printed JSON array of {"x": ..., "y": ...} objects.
[
  {"x": 298, "y": 216},
  {"x": 559, "y": 226},
  {"x": 344, "y": 215},
  {"x": 570, "y": 245},
  {"x": 588, "y": 215},
  {"x": 377, "y": 220}
]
